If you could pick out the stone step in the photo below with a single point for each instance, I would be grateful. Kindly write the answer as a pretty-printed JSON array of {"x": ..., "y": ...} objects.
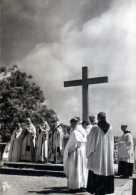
[
  {"x": 30, "y": 172},
  {"x": 32, "y": 169},
  {"x": 38, "y": 166}
]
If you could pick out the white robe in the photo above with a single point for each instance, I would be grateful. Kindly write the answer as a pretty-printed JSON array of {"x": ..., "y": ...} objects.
[
  {"x": 27, "y": 148},
  {"x": 75, "y": 161},
  {"x": 42, "y": 147},
  {"x": 55, "y": 142},
  {"x": 5, "y": 155},
  {"x": 15, "y": 146},
  {"x": 100, "y": 151},
  {"x": 89, "y": 127},
  {"x": 126, "y": 148},
  {"x": 58, "y": 138},
  {"x": 32, "y": 130}
]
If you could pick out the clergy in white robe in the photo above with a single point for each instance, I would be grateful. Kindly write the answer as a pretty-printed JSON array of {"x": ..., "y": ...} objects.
[
  {"x": 42, "y": 143},
  {"x": 66, "y": 136},
  {"x": 28, "y": 147},
  {"x": 91, "y": 124},
  {"x": 31, "y": 128},
  {"x": 100, "y": 154},
  {"x": 55, "y": 143},
  {"x": 5, "y": 155},
  {"x": 126, "y": 153},
  {"x": 75, "y": 161},
  {"x": 15, "y": 144}
]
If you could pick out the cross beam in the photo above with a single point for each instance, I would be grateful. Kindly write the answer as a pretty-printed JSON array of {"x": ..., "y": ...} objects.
[
  {"x": 95, "y": 80},
  {"x": 85, "y": 82}
]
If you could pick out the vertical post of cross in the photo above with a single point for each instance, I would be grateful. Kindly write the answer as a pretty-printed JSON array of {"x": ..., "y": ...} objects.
[
  {"x": 85, "y": 82},
  {"x": 85, "y": 92}
]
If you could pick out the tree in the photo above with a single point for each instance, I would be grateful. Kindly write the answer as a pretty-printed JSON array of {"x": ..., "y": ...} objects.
[{"x": 20, "y": 97}]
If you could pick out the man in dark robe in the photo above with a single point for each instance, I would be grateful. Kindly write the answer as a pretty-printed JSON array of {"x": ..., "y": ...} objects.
[{"x": 100, "y": 148}]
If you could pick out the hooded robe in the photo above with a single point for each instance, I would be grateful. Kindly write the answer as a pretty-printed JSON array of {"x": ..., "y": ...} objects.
[{"x": 75, "y": 161}]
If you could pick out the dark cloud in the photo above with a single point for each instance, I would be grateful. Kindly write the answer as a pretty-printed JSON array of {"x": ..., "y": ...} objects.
[
  {"x": 30, "y": 22},
  {"x": 52, "y": 40}
]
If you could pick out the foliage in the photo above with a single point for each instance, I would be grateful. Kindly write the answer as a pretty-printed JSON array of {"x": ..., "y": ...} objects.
[{"x": 20, "y": 97}]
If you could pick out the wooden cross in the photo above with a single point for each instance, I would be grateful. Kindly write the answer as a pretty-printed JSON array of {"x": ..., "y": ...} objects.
[{"x": 84, "y": 82}]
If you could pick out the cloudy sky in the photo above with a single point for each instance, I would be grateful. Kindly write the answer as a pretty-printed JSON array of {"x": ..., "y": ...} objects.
[{"x": 53, "y": 39}]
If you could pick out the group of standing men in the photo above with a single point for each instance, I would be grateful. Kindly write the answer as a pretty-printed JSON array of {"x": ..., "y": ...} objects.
[
  {"x": 36, "y": 144},
  {"x": 89, "y": 156}
]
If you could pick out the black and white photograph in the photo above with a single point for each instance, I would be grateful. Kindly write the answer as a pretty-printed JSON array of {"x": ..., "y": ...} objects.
[{"x": 67, "y": 97}]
